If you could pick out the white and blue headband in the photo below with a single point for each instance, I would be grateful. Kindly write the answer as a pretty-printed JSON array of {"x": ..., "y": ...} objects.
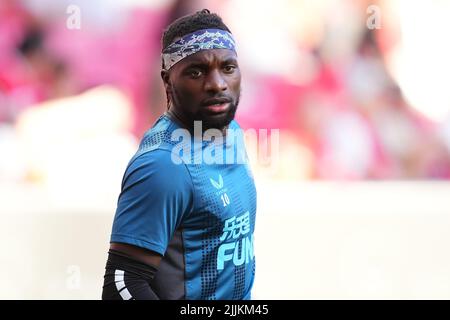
[{"x": 194, "y": 42}]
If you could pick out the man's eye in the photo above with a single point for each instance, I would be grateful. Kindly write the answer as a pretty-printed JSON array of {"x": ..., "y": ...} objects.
[
  {"x": 195, "y": 73},
  {"x": 229, "y": 68}
]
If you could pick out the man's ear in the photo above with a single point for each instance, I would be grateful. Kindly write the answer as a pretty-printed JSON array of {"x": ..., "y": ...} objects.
[
  {"x": 167, "y": 86},
  {"x": 166, "y": 80}
]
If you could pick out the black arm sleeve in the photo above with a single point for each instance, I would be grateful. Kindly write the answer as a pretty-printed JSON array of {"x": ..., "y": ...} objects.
[{"x": 127, "y": 279}]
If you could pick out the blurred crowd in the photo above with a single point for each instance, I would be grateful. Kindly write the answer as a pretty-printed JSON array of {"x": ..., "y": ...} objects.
[{"x": 317, "y": 73}]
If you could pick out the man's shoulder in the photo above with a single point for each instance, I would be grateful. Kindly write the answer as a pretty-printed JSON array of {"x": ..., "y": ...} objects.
[
  {"x": 158, "y": 136},
  {"x": 156, "y": 145},
  {"x": 158, "y": 166}
]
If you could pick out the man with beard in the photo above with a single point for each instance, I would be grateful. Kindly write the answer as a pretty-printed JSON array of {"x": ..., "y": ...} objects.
[{"x": 183, "y": 228}]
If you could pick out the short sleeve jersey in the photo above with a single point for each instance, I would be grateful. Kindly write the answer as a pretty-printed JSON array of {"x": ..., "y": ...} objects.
[{"x": 198, "y": 214}]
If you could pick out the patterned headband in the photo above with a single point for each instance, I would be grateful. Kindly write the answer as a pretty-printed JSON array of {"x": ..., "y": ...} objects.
[{"x": 194, "y": 42}]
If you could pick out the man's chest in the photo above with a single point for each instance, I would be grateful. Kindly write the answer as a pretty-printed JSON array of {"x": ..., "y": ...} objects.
[{"x": 223, "y": 192}]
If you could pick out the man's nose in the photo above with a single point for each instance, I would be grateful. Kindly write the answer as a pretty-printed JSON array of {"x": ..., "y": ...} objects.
[{"x": 215, "y": 82}]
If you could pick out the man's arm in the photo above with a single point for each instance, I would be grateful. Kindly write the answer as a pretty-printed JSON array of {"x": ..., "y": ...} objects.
[
  {"x": 129, "y": 271},
  {"x": 156, "y": 195},
  {"x": 143, "y": 255}
]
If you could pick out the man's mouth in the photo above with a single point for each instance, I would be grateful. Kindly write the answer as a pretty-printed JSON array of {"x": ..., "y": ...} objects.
[
  {"x": 218, "y": 108},
  {"x": 217, "y": 105}
]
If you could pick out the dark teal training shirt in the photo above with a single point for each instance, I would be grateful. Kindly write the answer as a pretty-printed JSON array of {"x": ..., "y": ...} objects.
[{"x": 199, "y": 216}]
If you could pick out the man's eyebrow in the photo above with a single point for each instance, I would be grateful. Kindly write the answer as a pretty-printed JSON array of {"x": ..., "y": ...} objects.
[
  {"x": 196, "y": 64},
  {"x": 230, "y": 60},
  {"x": 201, "y": 63}
]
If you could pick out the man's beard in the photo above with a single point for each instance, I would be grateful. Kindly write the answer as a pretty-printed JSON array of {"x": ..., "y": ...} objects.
[{"x": 208, "y": 119}]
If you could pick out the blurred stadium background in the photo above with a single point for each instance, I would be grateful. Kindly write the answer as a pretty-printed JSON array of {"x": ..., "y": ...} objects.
[{"x": 357, "y": 204}]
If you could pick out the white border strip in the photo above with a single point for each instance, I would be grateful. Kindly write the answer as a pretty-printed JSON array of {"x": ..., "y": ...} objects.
[{"x": 120, "y": 285}]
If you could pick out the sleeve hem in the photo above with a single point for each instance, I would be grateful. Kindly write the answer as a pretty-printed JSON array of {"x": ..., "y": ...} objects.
[{"x": 138, "y": 242}]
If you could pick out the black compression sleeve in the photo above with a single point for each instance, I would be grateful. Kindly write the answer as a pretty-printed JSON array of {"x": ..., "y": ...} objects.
[{"x": 126, "y": 278}]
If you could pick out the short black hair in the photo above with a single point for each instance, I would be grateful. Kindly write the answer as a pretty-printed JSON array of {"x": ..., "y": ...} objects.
[{"x": 202, "y": 19}]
